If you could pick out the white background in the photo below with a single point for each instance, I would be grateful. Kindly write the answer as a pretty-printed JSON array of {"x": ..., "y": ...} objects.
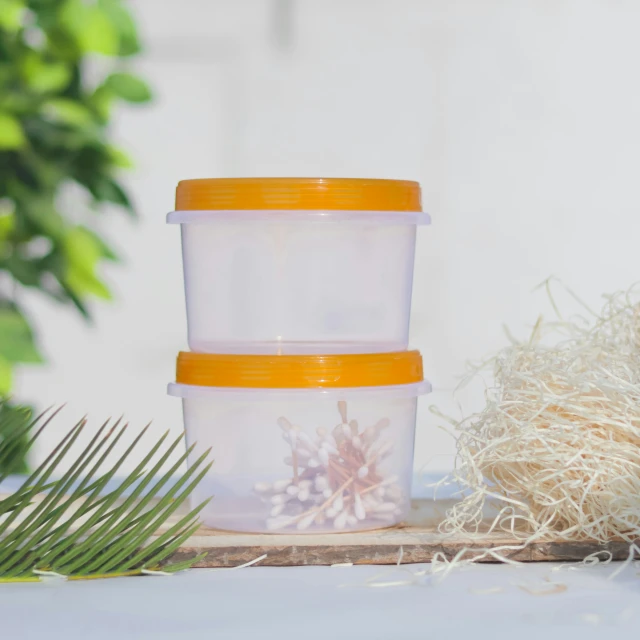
[{"x": 520, "y": 119}]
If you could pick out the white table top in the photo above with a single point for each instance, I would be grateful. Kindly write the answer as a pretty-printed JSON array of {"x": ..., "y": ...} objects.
[
  {"x": 311, "y": 602},
  {"x": 330, "y": 603}
]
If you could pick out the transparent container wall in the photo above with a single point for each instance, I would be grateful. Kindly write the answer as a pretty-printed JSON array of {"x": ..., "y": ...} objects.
[
  {"x": 317, "y": 287},
  {"x": 294, "y": 465}
]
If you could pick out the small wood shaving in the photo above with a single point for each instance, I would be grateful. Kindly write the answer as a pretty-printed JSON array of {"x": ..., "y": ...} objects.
[
  {"x": 633, "y": 550},
  {"x": 49, "y": 574},
  {"x": 342, "y": 564},
  {"x": 543, "y": 590},
  {"x": 486, "y": 592},
  {"x": 590, "y": 561},
  {"x": 241, "y": 566},
  {"x": 155, "y": 572}
]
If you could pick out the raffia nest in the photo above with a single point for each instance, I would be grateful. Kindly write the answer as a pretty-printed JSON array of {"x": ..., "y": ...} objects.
[{"x": 557, "y": 446}]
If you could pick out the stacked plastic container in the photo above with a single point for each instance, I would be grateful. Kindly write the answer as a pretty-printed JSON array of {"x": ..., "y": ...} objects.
[{"x": 298, "y": 295}]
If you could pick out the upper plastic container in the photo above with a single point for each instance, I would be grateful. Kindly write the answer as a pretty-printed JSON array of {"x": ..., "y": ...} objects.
[{"x": 298, "y": 265}]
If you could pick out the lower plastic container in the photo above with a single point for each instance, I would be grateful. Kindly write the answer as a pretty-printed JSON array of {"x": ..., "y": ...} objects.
[{"x": 302, "y": 444}]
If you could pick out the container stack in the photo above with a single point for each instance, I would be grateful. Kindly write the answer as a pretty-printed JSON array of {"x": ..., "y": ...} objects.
[{"x": 299, "y": 377}]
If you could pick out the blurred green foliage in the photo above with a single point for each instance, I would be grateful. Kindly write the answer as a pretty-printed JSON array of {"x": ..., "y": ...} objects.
[{"x": 54, "y": 117}]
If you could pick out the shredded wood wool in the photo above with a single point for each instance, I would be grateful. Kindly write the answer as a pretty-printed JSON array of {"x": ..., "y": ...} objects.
[{"x": 557, "y": 447}]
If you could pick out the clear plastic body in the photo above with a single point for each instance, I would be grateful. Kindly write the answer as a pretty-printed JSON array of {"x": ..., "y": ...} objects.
[
  {"x": 298, "y": 282},
  {"x": 303, "y": 461}
]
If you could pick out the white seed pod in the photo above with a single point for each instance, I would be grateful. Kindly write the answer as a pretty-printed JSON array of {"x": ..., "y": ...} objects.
[
  {"x": 340, "y": 520},
  {"x": 277, "y": 510},
  {"x": 323, "y": 456},
  {"x": 331, "y": 512},
  {"x": 338, "y": 503},
  {"x": 320, "y": 482},
  {"x": 369, "y": 435},
  {"x": 385, "y": 507},
  {"x": 363, "y": 472},
  {"x": 352, "y": 521},
  {"x": 284, "y": 424},
  {"x": 327, "y": 493},
  {"x": 302, "y": 452},
  {"x": 292, "y": 490},
  {"x": 346, "y": 430},
  {"x": 262, "y": 487},
  {"x": 356, "y": 442},
  {"x": 313, "y": 463},
  {"x": 327, "y": 445},
  {"x": 303, "y": 494},
  {"x": 280, "y": 498},
  {"x": 358, "y": 508},
  {"x": 304, "y": 523},
  {"x": 307, "y": 440},
  {"x": 369, "y": 501},
  {"x": 281, "y": 485}
]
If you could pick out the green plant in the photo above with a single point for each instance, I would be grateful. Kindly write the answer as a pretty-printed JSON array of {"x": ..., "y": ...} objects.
[
  {"x": 55, "y": 109},
  {"x": 76, "y": 526}
]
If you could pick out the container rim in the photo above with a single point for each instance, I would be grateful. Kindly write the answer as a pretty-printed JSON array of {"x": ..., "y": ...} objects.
[
  {"x": 357, "y": 194},
  {"x": 247, "y": 371},
  {"x": 186, "y": 391},
  {"x": 299, "y": 215}
]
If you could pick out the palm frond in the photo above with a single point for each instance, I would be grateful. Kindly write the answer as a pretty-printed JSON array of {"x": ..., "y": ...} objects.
[{"x": 73, "y": 525}]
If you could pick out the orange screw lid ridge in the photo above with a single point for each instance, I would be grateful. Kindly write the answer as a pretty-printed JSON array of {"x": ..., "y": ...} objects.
[
  {"x": 299, "y": 372},
  {"x": 340, "y": 194}
]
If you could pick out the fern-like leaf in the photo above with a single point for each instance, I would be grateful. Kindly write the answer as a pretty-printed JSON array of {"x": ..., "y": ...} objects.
[{"x": 74, "y": 526}]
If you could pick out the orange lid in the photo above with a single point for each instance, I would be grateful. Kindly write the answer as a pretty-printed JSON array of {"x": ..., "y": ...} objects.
[
  {"x": 341, "y": 194},
  {"x": 299, "y": 372}
]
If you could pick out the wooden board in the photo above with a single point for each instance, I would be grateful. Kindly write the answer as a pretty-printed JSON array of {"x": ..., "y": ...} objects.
[{"x": 419, "y": 539}]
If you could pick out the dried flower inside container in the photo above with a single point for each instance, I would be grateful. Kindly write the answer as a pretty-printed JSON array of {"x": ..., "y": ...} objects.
[{"x": 337, "y": 481}]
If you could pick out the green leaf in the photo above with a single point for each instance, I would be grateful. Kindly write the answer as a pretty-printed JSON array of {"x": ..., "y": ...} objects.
[
  {"x": 11, "y": 133},
  {"x": 11, "y": 14},
  {"x": 101, "y": 101},
  {"x": 119, "y": 158},
  {"x": 105, "y": 189},
  {"x": 7, "y": 225},
  {"x": 68, "y": 111},
  {"x": 26, "y": 272},
  {"x": 6, "y": 376},
  {"x": 15, "y": 424},
  {"x": 83, "y": 254},
  {"x": 128, "y": 87},
  {"x": 16, "y": 339},
  {"x": 124, "y": 25},
  {"x": 91, "y": 27},
  {"x": 76, "y": 529},
  {"x": 43, "y": 77}
]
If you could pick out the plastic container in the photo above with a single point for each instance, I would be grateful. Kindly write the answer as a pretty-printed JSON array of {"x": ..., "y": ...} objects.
[
  {"x": 298, "y": 265},
  {"x": 302, "y": 443}
]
